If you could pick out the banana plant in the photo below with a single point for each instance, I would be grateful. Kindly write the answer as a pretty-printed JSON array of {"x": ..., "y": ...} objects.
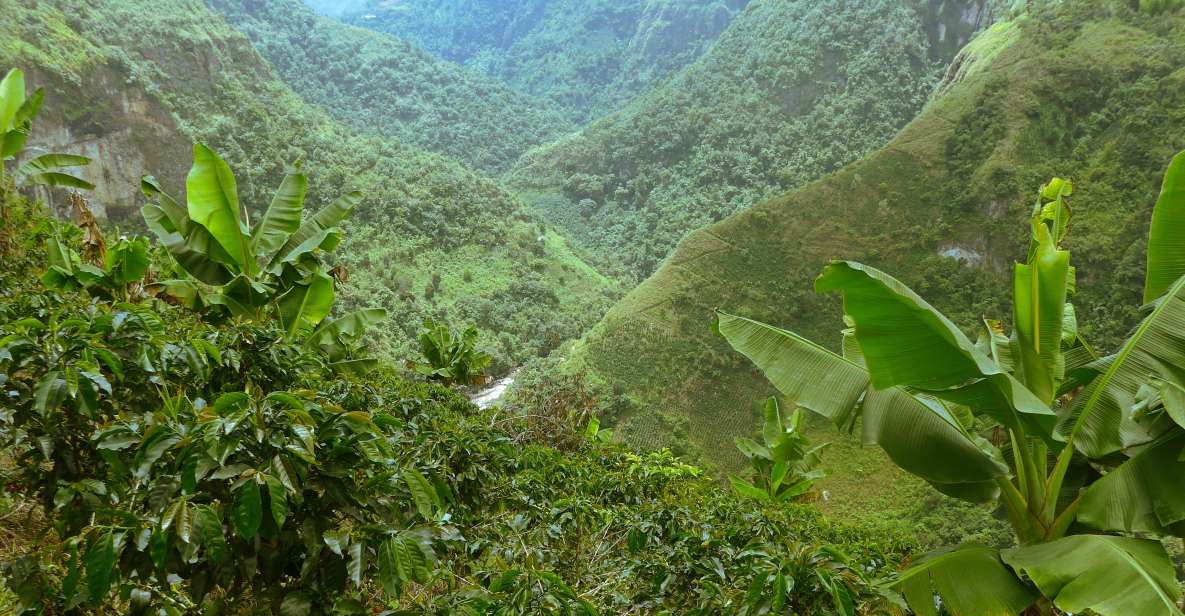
[
  {"x": 925, "y": 393},
  {"x": 449, "y": 357},
  {"x": 16, "y": 120},
  {"x": 271, "y": 270},
  {"x": 785, "y": 467},
  {"x": 124, "y": 264}
]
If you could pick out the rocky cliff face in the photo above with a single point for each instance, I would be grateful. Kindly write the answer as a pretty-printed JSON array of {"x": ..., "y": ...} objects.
[
  {"x": 126, "y": 132},
  {"x": 950, "y": 24}
]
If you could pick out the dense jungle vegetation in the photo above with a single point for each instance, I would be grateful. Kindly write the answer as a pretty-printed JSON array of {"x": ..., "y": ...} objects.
[{"x": 611, "y": 307}]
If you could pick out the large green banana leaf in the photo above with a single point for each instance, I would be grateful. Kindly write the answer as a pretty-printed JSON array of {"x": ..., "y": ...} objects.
[
  {"x": 50, "y": 170},
  {"x": 1166, "y": 238},
  {"x": 12, "y": 96},
  {"x": 906, "y": 342},
  {"x": 12, "y": 140},
  {"x": 1039, "y": 311},
  {"x": 313, "y": 232},
  {"x": 194, "y": 248},
  {"x": 213, "y": 202},
  {"x": 1099, "y": 419},
  {"x": 334, "y": 337},
  {"x": 282, "y": 217},
  {"x": 971, "y": 581},
  {"x": 1144, "y": 494},
  {"x": 306, "y": 305},
  {"x": 1110, "y": 576},
  {"x": 918, "y": 434}
]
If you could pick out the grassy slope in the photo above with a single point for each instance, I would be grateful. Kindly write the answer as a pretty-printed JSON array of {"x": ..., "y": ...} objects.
[
  {"x": 791, "y": 91},
  {"x": 421, "y": 214},
  {"x": 588, "y": 56},
  {"x": 1086, "y": 95},
  {"x": 373, "y": 82}
]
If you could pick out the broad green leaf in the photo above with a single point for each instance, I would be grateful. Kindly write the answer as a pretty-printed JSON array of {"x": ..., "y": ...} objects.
[
  {"x": 247, "y": 513},
  {"x": 49, "y": 170},
  {"x": 209, "y": 531},
  {"x": 12, "y": 96},
  {"x": 1110, "y": 576},
  {"x": 334, "y": 337},
  {"x": 337, "y": 540},
  {"x": 12, "y": 142},
  {"x": 970, "y": 580},
  {"x": 56, "y": 179},
  {"x": 771, "y": 427},
  {"x": 388, "y": 554},
  {"x": 1099, "y": 419},
  {"x": 50, "y": 393},
  {"x": 1039, "y": 310},
  {"x": 355, "y": 563},
  {"x": 54, "y": 161},
  {"x": 213, "y": 202},
  {"x": 317, "y": 226},
  {"x": 278, "y": 500},
  {"x": 744, "y": 488},
  {"x": 923, "y": 438},
  {"x": 906, "y": 342},
  {"x": 194, "y": 248},
  {"x": 99, "y": 561},
  {"x": 282, "y": 217},
  {"x": 917, "y": 433},
  {"x": 422, "y": 493},
  {"x": 305, "y": 305},
  {"x": 359, "y": 367},
  {"x": 1142, "y": 495},
  {"x": 1166, "y": 238},
  {"x": 815, "y": 378}
]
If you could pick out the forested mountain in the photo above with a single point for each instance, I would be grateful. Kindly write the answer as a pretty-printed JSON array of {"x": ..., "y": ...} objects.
[
  {"x": 374, "y": 83},
  {"x": 134, "y": 83},
  {"x": 791, "y": 91},
  {"x": 588, "y": 56},
  {"x": 1089, "y": 91},
  {"x": 377, "y": 355}
]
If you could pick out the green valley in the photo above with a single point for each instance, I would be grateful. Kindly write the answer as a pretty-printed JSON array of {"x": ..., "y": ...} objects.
[
  {"x": 451, "y": 243},
  {"x": 377, "y": 84},
  {"x": 791, "y": 91},
  {"x": 939, "y": 206},
  {"x": 647, "y": 307}
]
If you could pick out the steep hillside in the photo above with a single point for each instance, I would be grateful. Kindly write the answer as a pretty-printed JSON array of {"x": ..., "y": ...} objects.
[
  {"x": 589, "y": 56},
  {"x": 374, "y": 83},
  {"x": 137, "y": 82},
  {"x": 1091, "y": 93},
  {"x": 791, "y": 91}
]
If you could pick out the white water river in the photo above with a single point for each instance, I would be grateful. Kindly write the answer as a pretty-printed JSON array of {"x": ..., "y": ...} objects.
[{"x": 488, "y": 396}]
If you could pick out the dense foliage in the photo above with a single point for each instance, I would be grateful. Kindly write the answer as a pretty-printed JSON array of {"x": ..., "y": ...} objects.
[
  {"x": 180, "y": 466},
  {"x": 791, "y": 91},
  {"x": 931, "y": 398},
  {"x": 587, "y": 56},
  {"x": 374, "y": 83},
  {"x": 429, "y": 239}
]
